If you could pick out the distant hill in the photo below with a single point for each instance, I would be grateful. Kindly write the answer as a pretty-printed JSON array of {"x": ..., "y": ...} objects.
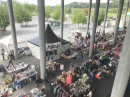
[{"x": 86, "y": 5}]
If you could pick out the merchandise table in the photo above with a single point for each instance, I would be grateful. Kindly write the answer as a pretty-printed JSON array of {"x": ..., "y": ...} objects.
[
  {"x": 20, "y": 77},
  {"x": 21, "y": 66},
  {"x": 35, "y": 92},
  {"x": 68, "y": 57}
]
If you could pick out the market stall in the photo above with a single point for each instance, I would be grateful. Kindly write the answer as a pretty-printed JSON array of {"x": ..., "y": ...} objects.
[
  {"x": 35, "y": 92},
  {"x": 68, "y": 57},
  {"x": 5, "y": 91},
  {"x": 54, "y": 45},
  {"x": 18, "y": 67},
  {"x": 7, "y": 43}
]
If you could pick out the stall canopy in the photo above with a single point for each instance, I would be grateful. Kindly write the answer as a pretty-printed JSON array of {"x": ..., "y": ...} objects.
[
  {"x": 8, "y": 42},
  {"x": 50, "y": 38}
]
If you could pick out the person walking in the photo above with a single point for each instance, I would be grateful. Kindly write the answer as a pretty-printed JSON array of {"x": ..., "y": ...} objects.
[
  {"x": 61, "y": 67},
  {"x": 10, "y": 61},
  {"x": 2, "y": 53},
  {"x": 37, "y": 81},
  {"x": 53, "y": 70}
]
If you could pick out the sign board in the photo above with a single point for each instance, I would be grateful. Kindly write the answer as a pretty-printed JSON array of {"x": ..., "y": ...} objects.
[
  {"x": 128, "y": 13},
  {"x": 53, "y": 46}
]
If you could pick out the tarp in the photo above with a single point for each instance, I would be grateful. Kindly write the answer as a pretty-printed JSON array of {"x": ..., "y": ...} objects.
[
  {"x": 8, "y": 42},
  {"x": 51, "y": 37}
]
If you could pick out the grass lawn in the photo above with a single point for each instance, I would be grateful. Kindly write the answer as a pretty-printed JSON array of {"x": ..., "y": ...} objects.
[{"x": 114, "y": 15}]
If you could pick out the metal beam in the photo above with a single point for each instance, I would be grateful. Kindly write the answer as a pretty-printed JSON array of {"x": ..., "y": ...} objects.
[
  {"x": 126, "y": 13},
  {"x": 89, "y": 13},
  {"x": 123, "y": 70},
  {"x": 120, "y": 7},
  {"x": 13, "y": 30},
  {"x": 94, "y": 28},
  {"x": 42, "y": 35},
  {"x": 107, "y": 5},
  {"x": 62, "y": 18}
]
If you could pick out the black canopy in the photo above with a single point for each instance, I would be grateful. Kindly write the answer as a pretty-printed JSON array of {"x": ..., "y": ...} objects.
[{"x": 50, "y": 38}]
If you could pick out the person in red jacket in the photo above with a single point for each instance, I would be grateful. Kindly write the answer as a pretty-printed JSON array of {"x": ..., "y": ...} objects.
[{"x": 69, "y": 79}]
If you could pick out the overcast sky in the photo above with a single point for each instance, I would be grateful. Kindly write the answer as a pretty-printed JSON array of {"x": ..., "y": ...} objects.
[{"x": 54, "y": 2}]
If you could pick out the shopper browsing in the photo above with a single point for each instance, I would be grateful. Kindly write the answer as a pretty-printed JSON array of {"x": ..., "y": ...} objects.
[{"x": 10, "y": 61}]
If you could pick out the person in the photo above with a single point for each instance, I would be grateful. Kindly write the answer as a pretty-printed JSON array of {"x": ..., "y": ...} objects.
[
  {"x": 10, "y": 61},
  {"x": 81, "y": 58},
  {"x": 53, "y": 70},
  {"x": 2, "y": 53},
  {"x": 90, "y": 94},
  {"x": 69, "y": 79},
  {"x": 61, "y": 67},
  {"x": 71, "y": 66},
  {"x": 91, "y": 76},
  {"x": 37, "y": 81},
  {"x": 43, "y": 89}
]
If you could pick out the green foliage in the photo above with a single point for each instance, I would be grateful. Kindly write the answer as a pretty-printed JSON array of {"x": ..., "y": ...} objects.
[
  {"x": 56, "y": 13},
  {"x": 79, "y": 17},
  {"x": 100, "y": 16},
  {"x": 48, "y": 12},
  {"x": 85, "y": 11},
  {"x": 30, "y": 7},
  {"x": 68, "y": 10},
  {"x": 21, "y": 13},
  {"x": 4, "y": 17}
]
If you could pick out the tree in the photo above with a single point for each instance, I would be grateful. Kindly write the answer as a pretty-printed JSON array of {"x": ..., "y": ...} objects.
[
  {"x": 100, "y": 16},
  {"x": 85, "y": 11},
  {"x": 21, "y": 14},
  {"x": 4, "y": 17},
  {"x": 48, "y": 12},
  {"x": 79, "y": 17},
  {"x": 68, "y": 10},
  {"x": 56, "y": 13},
  {"x": 30, "y": 7}
]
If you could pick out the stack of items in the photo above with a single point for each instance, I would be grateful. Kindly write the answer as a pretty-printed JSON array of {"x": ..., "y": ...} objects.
[
  {"x": 8, "y": 80},
  {"x": 19, "y": 76},
  {"x": 68, "y": 57},
  {"x": 3, "y": 90},
  {"x": 36, "y": 92},
  {"x": 49, "y": 65},
  {"x": 11, "y": 69}
]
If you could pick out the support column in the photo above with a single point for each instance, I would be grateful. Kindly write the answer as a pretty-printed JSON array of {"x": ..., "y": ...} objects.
[
  {"x": 13, "y": 30},
  {"x": 120, "y": 7},
  {"x": 126, "y": 13},
  {"x": 94, "y": 28},
  {"x": 89, "y": 13},
  {"x": 123, "y": 70},
  {"x": 107, "y": 5},
  {"x": 42, "y": 35},
  {"x": 62, "y": 18}
]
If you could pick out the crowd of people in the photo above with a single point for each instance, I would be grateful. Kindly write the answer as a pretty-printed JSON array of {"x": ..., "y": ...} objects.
[{"x": 74, "y": 83}]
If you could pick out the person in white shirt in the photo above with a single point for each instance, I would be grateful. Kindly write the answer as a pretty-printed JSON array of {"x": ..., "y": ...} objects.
[
  {"x": 61, "y": 67},
  {"x": 90, "y": 94}
]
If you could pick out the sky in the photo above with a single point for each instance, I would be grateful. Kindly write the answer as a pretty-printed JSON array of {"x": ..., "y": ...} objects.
[{"x": 54, "y": 2}]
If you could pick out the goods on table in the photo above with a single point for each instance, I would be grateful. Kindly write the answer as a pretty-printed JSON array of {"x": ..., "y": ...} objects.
[
  {"x": 68, "y": 57},
  {"x": 49, "y": 65},
  {"x": 33, "y": 93},
  {"x": 19, "y": 76},
  {"x": 11, "y": 69},
  {"x": 3, "y": 90}
]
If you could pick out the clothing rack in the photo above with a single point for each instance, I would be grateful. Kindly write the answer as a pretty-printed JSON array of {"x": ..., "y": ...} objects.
[{"x": 61, "y": 87}]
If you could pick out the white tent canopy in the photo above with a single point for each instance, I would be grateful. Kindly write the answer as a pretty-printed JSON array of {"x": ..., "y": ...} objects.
[{"x": 8, "y": 42}]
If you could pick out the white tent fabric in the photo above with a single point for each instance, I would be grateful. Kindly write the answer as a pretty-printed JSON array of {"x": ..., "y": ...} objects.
[{"x": 8, "y": 42}]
